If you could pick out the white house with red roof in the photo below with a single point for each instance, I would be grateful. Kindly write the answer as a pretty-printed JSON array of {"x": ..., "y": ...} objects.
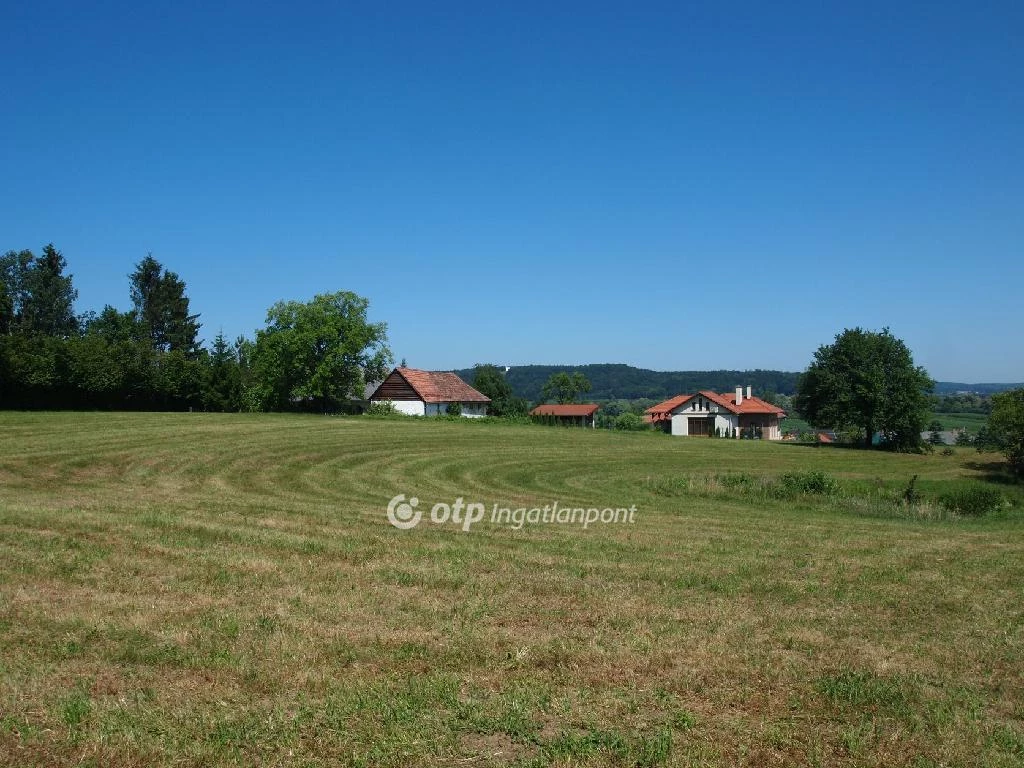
[
  {"x": 707, "y": 414},
  {"x": 429, "y": 393}
]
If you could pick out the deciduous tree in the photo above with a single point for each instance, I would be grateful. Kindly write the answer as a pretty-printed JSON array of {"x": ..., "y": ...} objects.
[
  {"x": 323, "y": 350},
  {"x": 563, "y": 387},
  {"x": 6, "y": 308},
  {"x": 868, "y": 380},
  {"x": 1006, "y": 427},
  {"x": 490, "y": 381}
]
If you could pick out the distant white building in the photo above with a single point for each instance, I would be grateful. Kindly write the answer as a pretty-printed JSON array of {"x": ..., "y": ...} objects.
[
  {"x": 707, "y": 413},
  {"x": 429, "y": 393}
]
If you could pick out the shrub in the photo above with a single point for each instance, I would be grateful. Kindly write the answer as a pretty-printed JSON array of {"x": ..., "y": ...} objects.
[
  {"x": 818, "y": 483},
  {"x": 947, "y": 451},
  {"x": 737, "y": 480},
  {"x": 971, "y": 500},
  {"x": 910, "y": 494},
  {"x": 630, "y": 422},
  {"x": 963, "y": 437},
  {"x": 382, "y": 408},
  {"x": 453, "y": 409}
]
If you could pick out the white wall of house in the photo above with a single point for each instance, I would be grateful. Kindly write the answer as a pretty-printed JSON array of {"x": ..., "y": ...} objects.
[
  {"x": 723, "y": 422},
  {"x": 419, "y": 408},
  {"x": 409, "y": 407},
  {"x": 469, "y": 410}
]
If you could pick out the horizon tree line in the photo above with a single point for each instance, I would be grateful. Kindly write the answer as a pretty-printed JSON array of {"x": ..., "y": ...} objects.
[{"x": 311, "y": 356}]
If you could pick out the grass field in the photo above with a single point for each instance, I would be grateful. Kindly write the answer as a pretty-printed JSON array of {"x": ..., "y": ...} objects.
[
  {"x": 972, "y": 422},
  {"x": 187, "y": 589}
]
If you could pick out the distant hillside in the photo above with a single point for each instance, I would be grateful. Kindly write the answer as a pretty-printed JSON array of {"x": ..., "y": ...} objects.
[
  {"x": 613, "y": 381},
  {"x": 949, "y": 387}
]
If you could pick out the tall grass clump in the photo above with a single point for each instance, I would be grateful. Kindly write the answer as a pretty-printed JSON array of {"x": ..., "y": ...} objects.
[
  {"x": 973, "y": 500},
  {"x": 815, "y": 483}
]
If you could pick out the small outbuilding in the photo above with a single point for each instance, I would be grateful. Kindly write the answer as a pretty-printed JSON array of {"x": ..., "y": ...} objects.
[
  {"x": 567, "y": 414},
  {"x": 429, "y": 393}
]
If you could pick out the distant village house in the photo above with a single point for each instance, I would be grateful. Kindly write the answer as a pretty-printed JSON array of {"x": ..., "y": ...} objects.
[
  {"x": 429, "y": 393},
  {"x": 707, "y": 414}
]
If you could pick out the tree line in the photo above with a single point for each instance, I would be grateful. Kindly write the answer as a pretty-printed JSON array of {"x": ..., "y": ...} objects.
[{"x": 314, "y": 355}]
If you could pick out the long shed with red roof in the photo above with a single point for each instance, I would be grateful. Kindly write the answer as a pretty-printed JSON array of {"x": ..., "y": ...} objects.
[
  {"x": 707, "y": 414},
  {"x": 575, "y": 414}
]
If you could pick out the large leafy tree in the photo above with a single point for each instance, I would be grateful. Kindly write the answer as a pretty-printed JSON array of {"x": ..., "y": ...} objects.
[
  {"x": 323, "y": 351},
  {"x": 6, "y": 307},
  {"x": 490, "y": 380},
  {"x": 563, "y": 387},
  {"x": 162, "y": 308},
  {"x": 123, "y": 375},
  {"x": 867, "y": 380},
  {"x": 1006, "y": 427}
]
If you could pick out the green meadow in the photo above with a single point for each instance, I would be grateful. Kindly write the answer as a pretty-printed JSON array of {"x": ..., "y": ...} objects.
[{"x": 195, "y": 589}]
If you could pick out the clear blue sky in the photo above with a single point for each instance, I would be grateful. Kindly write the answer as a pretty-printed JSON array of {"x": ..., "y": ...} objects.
[{"x": 672, "y": 186}]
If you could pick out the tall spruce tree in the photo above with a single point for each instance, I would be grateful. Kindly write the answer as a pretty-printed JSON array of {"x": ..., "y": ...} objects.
[
  {"x": 49, "y": 296},
  {"x": 162, "y": 309}
]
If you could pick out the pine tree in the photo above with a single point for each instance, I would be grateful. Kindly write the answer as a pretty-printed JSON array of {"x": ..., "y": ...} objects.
[{"x": 162, "y": 308}]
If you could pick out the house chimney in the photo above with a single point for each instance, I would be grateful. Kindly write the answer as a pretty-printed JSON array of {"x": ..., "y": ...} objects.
[
  {"x": 749, "y": 392},
  {"x": 739, "y": 395}
]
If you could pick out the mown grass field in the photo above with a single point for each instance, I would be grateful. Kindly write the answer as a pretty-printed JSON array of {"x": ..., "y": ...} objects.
[
  {"x": 191, "y": 589},
  {"x": 972, "y": 422}
]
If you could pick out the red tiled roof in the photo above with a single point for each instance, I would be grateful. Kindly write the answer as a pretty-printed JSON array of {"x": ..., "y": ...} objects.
[
  {"x": 662, "y": 411},
  {"x": 441, "y": 387},
  {"x": 752, "y": 405},
  {"x": 568, "y": 409}
]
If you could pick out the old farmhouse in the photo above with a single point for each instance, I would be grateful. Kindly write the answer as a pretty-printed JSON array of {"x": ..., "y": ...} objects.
[
  {"x": 707, "y": 414},
  {"x": 429, "y": 393}
]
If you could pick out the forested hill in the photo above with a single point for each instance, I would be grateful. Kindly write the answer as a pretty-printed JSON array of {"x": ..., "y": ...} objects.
[{"x": 612, "y": 381}]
